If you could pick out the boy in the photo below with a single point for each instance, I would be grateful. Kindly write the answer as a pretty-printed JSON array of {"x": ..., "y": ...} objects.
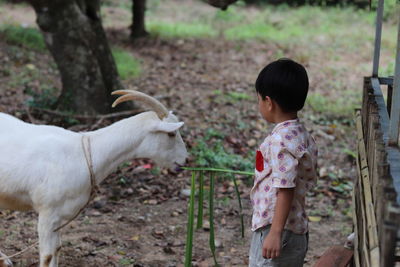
[{"x": 285, "y": 169}]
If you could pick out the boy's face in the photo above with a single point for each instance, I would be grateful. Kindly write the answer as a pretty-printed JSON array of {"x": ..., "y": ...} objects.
[{"x": 265, "y": 108}]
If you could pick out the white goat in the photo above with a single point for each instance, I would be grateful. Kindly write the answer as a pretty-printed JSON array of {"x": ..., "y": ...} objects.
[{"x": 49, "y": 169}]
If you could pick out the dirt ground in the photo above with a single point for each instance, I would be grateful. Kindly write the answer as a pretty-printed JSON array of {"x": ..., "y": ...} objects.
[{"x": 140, "y": 216}]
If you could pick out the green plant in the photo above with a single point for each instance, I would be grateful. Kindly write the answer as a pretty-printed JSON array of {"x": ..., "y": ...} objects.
[
  {"x": 125, "y": 261},
  {"x": 387, "y": 70},
  {"x": 182, "y": 30},
  {"x": 216, "y": 156},
  {"x": 237, "y": 96},
  {"x": 213, "y": 134},
  {"x": 342, "y": 106},
  {"x": 190, "y": 225},
  {"x": 127, "y": 65},
  {"x": 210, "y": 152},
  {"x": 211, "y": 212},
  {"x": 350, "y": 153},
  {"x": 46, "y": 98},
  {"x": 229, "y": 15},
  {"x": 155, "y": 171},
  {"x": 27, "y": 37},
  {"x": 342, "y": 186}
]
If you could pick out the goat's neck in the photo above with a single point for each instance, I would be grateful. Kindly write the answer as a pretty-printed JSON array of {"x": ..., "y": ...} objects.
[{"x": 115, "y": 144}]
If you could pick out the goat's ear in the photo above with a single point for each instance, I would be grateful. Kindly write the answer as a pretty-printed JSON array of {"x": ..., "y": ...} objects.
[{"x": 168, "y": 127}]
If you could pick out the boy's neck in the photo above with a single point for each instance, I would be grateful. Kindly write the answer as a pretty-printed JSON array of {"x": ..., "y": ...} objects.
[{"x": 281, "y": 117}]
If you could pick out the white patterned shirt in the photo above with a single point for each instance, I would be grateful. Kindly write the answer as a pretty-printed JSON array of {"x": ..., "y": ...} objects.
[{"x": 287, "y": 158}]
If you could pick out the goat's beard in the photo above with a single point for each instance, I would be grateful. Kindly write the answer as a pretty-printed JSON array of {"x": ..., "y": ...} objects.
[
  {"x": 170, "y": 164},
  {"x": 166, "y": 164}
]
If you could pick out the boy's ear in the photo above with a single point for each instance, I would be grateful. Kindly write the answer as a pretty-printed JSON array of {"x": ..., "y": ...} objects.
[{"x": 270, "y": 102}]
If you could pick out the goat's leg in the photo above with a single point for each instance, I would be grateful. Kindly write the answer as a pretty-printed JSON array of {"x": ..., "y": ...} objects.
[
  {"x": 6, "y": 262},
  {"x": 49, "y": 241}
]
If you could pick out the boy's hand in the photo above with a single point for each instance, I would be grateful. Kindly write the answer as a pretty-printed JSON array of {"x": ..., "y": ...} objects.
[{"x": 272, "y": 245}]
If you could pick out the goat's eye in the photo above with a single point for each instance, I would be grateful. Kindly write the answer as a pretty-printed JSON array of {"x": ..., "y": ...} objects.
[{"x": 172, "y": 134}]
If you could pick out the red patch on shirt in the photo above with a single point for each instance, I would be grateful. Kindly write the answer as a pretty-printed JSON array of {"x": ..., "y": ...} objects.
[{"x": 259, "y": 161}]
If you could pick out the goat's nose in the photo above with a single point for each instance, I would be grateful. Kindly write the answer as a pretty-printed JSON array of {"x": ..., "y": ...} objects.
[{"x": 178, "y": 169}]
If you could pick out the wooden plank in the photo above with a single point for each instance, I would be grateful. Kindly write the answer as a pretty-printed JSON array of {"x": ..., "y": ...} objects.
[
  {"x": 369, "y": 210},
  {"x": 335, "y": 256},
  {"x": 386, "y": 80},
  {"x": 355, "y": 229},
  {"x": 370, "y": 236},
  {"x": 390, "y": 227},
  {"x": 384, "y": 174},
  {"x": 375, "y": 257},
  {"x": 364, "y": 258},
  {"x": 382, "y": 111},
  {"x": 389, "y": 98},
  {"x": 393, "y": 152}
]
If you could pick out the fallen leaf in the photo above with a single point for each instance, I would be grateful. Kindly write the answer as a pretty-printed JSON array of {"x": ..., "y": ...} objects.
[
  {"x": 135, "y": 238},
  {"x": 314, "y": 218}
]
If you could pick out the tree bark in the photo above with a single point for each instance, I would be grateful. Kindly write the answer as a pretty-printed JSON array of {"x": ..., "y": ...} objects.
[
  {"x": 74, "y": 35},
  {"x": 138, "y": 28},
  {"x": 222, "y": 4}
]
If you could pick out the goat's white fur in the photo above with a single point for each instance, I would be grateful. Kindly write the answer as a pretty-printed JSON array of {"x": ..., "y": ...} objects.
[{"x": 44, "y": 168}]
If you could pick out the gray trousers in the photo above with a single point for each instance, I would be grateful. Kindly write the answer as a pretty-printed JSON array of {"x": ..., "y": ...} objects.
[{"x": 294, "y": 249}]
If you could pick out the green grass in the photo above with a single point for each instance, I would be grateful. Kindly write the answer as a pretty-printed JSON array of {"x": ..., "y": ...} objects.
[
  {"x": 127, "y": 65},
  {"x": 125, "y": 262},
  {"x": 47, "y": 98},
  {"x": 282, "y": 24},
  {"x": 210, "y": 152},
  {"x": 27, "y": 37},
  {"x": 318, "y": 28},
  {"x": 263, "y": 31},
  {"x": 181, "y": 30},
  {"x": 229, "y": 15},
  {"x": 237, "y": 96},
  {"x": 342, "y": 106}
]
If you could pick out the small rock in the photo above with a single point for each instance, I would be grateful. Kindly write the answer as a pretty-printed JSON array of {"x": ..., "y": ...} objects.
[
  {"x": 95, "y": 213},
  {"x": 99, "y": 204},
  {"x": 30, "y": 66},
  {"x": 251, "y": 142},
  {"x": 323, "y": 172},
  {"x": 174, "y": 214},
  {"x": 206, "y": 225},
  {"x": 218, "y": 243},
  {"x": 168, "y": 250},
  {"x": 185, "y": 192},
  {"x": 151, "y": 202},
  {"x": 177, "y": 243}
]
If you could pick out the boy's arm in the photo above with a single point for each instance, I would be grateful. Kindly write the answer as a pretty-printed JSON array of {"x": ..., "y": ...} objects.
[{"x": 272, "y": 243}]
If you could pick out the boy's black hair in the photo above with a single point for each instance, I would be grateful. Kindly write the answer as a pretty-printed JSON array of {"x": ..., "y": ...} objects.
[{"x": 284, "y": 81}]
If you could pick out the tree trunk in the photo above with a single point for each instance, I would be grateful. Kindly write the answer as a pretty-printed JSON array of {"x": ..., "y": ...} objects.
[
  {"x": 138, "y": 28},
  {"x": 222, "y": 4},
  {"x": 74, "y": 35}
]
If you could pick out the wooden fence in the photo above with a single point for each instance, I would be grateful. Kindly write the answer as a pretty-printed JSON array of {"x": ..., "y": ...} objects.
[{"x": 376, "y": 200}]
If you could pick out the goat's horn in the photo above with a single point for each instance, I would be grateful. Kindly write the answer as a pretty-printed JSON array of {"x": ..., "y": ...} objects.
[{"x": 156, "y": 105}]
